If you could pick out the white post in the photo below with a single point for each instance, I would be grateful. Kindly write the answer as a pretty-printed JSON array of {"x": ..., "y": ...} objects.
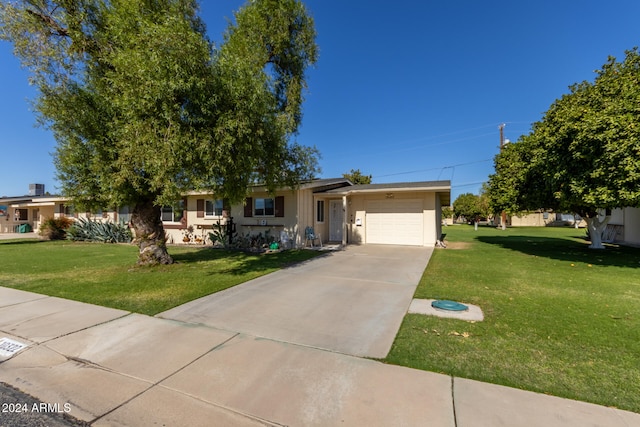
[{"x": 344, "y": 220}]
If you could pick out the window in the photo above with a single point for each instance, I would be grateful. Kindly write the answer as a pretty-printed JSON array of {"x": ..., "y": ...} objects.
[
  {"x": 213, "y": 208},
  {"x": 124, "y": 215},
  {"x": 66, "y": 210},
  {"x": 320, "y": 211},
  {"x": 264, "y": 207},
  {"x": 173, "y": 214},
  {"x": 21, "y": 214},
  {"x": 98, "y": 214}
]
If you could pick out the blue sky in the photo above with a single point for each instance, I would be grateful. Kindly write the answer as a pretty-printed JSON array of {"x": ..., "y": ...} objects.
[{"x": 403, "y": 90}]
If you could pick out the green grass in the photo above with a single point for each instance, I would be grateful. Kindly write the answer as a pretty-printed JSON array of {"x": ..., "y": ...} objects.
[
  {"x": 105, "y": 274},
  {"x": 560, "y": 318}
]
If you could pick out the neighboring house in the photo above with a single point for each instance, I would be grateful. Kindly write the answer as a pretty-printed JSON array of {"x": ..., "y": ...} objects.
[
  {"x": 32, "y": 211},
  {"x": 542, "y": 218},
  {"x": 399, "y": 213},
  {"x": 14, "y": 213},
  {"x": 624, "y": 226}
]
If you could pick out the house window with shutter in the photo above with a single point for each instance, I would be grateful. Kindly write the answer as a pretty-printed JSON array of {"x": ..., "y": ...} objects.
[
  {"x": 279, "y": 206},
  {"x": 264, "y": 207},
  {"x": 173, "y": 213},
  {"x": 213, "y": 208}
]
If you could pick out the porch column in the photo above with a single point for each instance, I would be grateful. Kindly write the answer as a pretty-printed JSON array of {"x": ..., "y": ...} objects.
[{"x": 345, "y": 215}]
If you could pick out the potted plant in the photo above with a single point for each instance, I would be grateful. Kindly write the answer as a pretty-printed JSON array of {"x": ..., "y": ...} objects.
[{"x": 187, "y": 234}]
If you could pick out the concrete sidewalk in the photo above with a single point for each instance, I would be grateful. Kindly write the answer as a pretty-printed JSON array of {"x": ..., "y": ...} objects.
[
  {"x": 11, "y": 236},
  {"x": 115, "y": 368}
]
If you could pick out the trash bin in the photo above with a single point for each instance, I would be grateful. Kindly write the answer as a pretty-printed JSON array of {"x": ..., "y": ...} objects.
[{"x": 24, "y": 228}]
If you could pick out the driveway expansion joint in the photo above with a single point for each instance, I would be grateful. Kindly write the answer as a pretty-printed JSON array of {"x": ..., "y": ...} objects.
[
  {"x": 24, "y": 302},
  {"x": 453, "y": 401},
  {"x": 87, "y": 328},
  {"x": 153, "y": 384}
]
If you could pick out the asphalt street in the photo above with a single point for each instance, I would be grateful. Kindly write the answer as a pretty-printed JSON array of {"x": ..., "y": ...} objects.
[{"x": 18, "y": 409}]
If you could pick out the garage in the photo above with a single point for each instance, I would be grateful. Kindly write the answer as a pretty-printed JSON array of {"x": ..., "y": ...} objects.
[
  {"x": 400, "y": 213},
  {"x": 395, "y": 222}
]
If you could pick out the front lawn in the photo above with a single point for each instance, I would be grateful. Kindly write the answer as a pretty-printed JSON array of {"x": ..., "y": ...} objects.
[
  {"x": 104, "y": 274},
  {"x": 560, "y": 318}
]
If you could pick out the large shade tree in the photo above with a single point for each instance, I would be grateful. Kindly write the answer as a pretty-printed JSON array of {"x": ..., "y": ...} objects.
[
  {"x": 356, "y": 177},
  {"x": 583, "y": 156},
  {"x": 468, "y": 206},
  {"x": 144, "y": 107}
]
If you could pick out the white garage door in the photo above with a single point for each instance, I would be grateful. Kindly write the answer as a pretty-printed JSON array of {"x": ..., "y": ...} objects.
[{"x": 395, "y": 222}]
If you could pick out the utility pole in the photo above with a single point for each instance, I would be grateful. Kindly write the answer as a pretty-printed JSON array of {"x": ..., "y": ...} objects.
[{"x": 503, "y": 216}]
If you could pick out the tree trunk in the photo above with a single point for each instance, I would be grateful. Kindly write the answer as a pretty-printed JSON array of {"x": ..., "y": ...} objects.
[
  {"x": 149, "y": 234},
  {"x": 596, "y": 228}
]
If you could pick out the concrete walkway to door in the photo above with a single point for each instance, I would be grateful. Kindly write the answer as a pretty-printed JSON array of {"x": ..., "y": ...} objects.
[{"x": 350, "y": 301}]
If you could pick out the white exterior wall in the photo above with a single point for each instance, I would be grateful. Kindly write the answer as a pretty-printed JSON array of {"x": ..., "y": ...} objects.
[
  {"x": 533, "y": 219},
  {"x": 357, "y": 214},
  {"x": 305, "y": 216},
  {"x": 431, "y": 225},
  {"x": 274, "y": 225},
  {"x": 617, "y": 217},
  {"x": 632, "y": 226}
]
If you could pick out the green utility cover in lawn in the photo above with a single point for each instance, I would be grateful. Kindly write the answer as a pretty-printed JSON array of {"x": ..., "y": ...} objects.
[{"x": 449, "y": 305}]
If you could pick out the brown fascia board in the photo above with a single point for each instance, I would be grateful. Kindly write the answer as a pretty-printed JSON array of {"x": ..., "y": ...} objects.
[
  {"x": 316, "y": 183},
  {"x": 326, "y": 182}
]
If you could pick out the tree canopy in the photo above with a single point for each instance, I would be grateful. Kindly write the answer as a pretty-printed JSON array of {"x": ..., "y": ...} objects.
[
  {"x": 468, "y": 206},
  {"x": 357, "y": 177},
  {"x": 583, "y": 156},
  {"x": 144, "y": 107}
]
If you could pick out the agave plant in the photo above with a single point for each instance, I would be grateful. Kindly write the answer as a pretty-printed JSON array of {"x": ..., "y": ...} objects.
[{"x": 89, "y": 230}]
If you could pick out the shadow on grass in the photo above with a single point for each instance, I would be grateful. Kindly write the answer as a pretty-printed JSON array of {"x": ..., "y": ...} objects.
[
  {"x": 241, "y": 263},
  {"x": 569, "y": 249}
]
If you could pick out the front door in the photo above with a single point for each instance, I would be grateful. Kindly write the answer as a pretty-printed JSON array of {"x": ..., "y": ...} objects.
[{"x": 336, "y": 220}]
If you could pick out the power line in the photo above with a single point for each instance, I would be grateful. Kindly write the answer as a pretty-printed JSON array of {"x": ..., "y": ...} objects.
[
  {"x": 434, "y": 169},
  {"x": 446, "y": 167},
  {"x": 403, "y": 145},
  {"x": 468, "y": 184},
  {"x": 426, "y": 138}
]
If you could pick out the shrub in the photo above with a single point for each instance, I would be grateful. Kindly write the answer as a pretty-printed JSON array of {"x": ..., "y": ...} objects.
[
  {"x": 256, "y": 242},
  {"x": 55, "y": 228},
  {"x": 219, "y": 235},
  {"x": 99, "y": 231}
]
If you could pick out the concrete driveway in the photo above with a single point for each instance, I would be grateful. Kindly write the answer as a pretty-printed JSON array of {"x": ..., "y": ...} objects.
[{"x": 350, "y": 301}]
